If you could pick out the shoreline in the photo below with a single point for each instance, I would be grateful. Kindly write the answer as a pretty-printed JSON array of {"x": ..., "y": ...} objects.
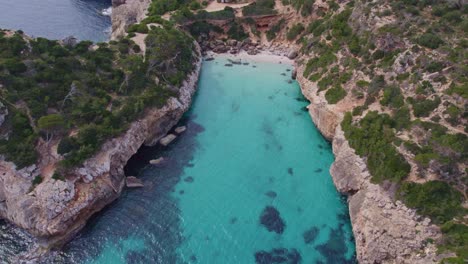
[{"x": 262, "y": 56}]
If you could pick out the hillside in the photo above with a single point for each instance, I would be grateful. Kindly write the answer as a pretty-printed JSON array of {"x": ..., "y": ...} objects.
[
  {"x": 73, "y": 113},
  {"x": 392, "y": 73}
]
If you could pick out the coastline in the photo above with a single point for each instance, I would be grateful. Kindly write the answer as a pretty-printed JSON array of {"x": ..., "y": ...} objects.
[{"x": 262, "y": 56}]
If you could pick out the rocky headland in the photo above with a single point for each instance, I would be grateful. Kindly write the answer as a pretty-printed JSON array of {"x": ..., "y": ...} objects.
[{"x": 55, "y": 210}]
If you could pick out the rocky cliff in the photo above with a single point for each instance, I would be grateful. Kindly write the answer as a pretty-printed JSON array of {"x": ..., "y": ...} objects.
[
  {"x": 126, "y": 13},
  {"x": 385, "y": 231},
  {"x": 56, "y": 210}
]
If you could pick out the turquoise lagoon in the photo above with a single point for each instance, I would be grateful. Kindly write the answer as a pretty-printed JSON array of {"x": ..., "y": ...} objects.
[
  {"x": 250, "y": 153},
  {"x": 248, "y": 182}
]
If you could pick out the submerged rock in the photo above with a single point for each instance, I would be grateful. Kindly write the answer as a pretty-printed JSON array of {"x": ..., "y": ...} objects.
[
  {"x": 133, "y": 182},
  {"x": 189, "y": 179},
  {"x": 157, "y": 161},
  {"x": 271, "y": 219},
  {"x": 278, "y": 255},
  {"x": 310, "y": 235},
  {"x": 167, "y": 139},
  {"x": 180, "y": 130},
  {"x": 271, "y": 194},
  {"x": 228, "y": 65}
]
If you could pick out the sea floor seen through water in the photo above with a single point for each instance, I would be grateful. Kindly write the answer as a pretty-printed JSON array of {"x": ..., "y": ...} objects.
[{"x": 247, "y": 182}]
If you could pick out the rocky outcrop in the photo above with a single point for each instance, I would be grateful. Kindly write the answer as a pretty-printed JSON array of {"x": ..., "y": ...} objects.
[
  {"x": 55, "y": 210},
  {"x": 126, "y": 13},
  {"x": 385, "y": 230}
]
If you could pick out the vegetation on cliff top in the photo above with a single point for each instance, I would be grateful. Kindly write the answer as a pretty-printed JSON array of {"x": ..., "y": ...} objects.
[
  {"x": 82, "y": 93},
  {"x": 402, "y": 67}
]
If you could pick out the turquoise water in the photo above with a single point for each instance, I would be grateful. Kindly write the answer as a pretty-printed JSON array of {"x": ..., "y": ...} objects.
[
  {"x": 248, "y": 182},
  {"x": 249, "y": 148}
]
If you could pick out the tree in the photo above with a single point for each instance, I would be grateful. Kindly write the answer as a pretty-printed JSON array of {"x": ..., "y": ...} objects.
[{"x": 51, "y": 124}]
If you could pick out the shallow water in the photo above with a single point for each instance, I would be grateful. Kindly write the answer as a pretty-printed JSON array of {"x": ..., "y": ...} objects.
[
  {"x": 57, "y": 19},
  {"x": 250, "y": 155}
]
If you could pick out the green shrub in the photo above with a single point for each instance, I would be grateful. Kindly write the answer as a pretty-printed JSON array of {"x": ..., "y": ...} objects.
[
  {"x": 362, "y": 83},
  {"x": 194, "y": 5},
  {"x": 392, "y": 97},
  {"x": 461, "y": 90},
  {"x": 430, "y": 40},
  {"x": 456, "y": 240},
  {"x": 67, "y": 145},
  {"x": 354, "y": 45},
  {"x": 304, "y": 6},
  {"x": 372, "y": 138},
  {"x": 295, "y": 31},
  {"x": 423, "y": 107},
  {"x": 322, "y": 61},
  {"x": 260, "y": 8},
  {"x": 20, "y": 147},
  {"x": 435, "y": 199},
  {"x": 58, "y": 177},
  {"x": 434, "y": 66},
  {"x": 37, "y": 180},
  {"x": 271, "y": 33},
  {"x": 335, "y": 94},
  {"x": 236, "y": 31}
]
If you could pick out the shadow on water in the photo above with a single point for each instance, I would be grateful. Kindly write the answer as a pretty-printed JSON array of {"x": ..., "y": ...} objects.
[{"x": 123, "y": 226}]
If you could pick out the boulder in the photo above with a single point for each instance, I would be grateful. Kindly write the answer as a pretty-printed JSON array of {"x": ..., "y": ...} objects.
[
  {"x": 232, "y": 42},
  {"x": 70, "y": 41},
  {"x": 180, "y": 130},
  {"x": 294, "y": 74},
  {"x": 292, "y": 54},
  {"x": 133, "y": 182},
  {"x": 167, "y": 139},
  {"x": 156, "y": 161}
]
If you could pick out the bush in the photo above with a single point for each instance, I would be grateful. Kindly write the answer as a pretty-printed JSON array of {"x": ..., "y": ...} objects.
[
  {"x": 260, "y": 8},
  {"x": 37, "y": 180},
  {"x": 423, "y": 107},
  {"x": 461, "y": 90},
  {"x": 435, "y": 199},
  {"x": 58, "y": 177},
  {"x": 335, "y": 94},
  {"x": 434, "y": 66},
  {"x": 372, "y": 138},
  {"x": 455, "y": 240},
  {"x": 295, "y": 31},
  {"x": 271, "y": 33},
  {"x": 392, "y": 97},
  {"x": 236, "y": 31},
  {"x": 430, "y": 40},
  {"x": 194, "y": 5},
  {"x": 67, "y": 145}
]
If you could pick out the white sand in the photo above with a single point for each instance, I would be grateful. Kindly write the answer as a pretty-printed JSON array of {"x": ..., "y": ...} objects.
[{"x": 262, "y": 56}]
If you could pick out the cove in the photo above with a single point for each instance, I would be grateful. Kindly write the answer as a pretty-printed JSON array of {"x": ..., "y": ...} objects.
[{"x": 247, "y": 182}]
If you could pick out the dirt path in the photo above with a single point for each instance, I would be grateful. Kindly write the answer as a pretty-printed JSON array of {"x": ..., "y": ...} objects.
[{"x": 215, "y": 6}]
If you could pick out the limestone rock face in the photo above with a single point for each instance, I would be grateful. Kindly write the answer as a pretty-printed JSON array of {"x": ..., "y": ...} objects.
[
  {"x": 126, "y": 13},
  {"x": 385, "y": 230},
  {"x": 3, "y": 113},
  {"x": 55, "y": 210}
]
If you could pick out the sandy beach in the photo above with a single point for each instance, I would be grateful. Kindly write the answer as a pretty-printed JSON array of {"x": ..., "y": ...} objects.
[{"x": 262, "y": 56}]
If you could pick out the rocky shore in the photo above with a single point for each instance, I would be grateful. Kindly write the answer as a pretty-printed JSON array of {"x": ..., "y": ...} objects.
[
  {"x": 385, "y": 231},
  {"x": 56, "y": 210}
]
